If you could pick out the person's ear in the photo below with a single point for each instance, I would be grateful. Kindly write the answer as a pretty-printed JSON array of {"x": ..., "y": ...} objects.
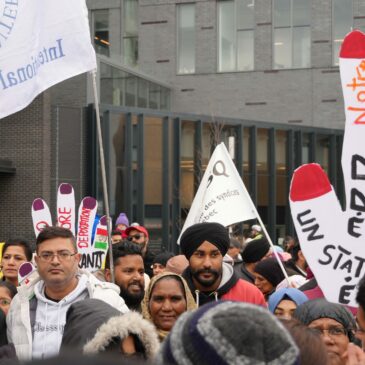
[
  {"x": 78, "y": 257},
  {"x": 108, "y": 276}
]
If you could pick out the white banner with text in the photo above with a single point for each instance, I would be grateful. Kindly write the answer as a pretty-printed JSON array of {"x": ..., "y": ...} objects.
[
  {"x": 42, "y": 42},
  {"x": 222, "y": 197}
]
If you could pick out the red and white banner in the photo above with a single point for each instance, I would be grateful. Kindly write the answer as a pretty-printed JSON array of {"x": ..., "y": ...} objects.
[
  {"x": 331, "y": 239},
  {"x": 42, "y": 42}
]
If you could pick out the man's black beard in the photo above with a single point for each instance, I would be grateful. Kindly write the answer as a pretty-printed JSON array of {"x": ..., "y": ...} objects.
[
  {"x": 132, "y": 300},
  {"x": 205, "y": 283}
]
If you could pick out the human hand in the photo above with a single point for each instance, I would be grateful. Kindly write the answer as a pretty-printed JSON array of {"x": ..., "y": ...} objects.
[{"x": 354, "y": 355}]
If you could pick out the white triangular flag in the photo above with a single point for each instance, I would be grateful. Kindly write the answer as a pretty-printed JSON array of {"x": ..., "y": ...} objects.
[{"x": 222, "y": 197}]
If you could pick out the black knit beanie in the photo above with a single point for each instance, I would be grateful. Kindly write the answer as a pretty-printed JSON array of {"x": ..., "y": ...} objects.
[
  {"x": 270, "y": 270},
  {"x": 162, "y": 258},
  {"x": 255, "y": 250},
  {"x": 196, "y": 234},
  {"x": 225, "y": 332}
]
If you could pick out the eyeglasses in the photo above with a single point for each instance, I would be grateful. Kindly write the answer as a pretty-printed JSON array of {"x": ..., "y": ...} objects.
[
  {"x": 137, "y": 237},
  {"x": 61, "y": 255},
  {"x": 331, "y": 331}
]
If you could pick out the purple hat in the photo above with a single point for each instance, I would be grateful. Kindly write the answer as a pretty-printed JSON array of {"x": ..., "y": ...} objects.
[{"x": 122, "y": 219}]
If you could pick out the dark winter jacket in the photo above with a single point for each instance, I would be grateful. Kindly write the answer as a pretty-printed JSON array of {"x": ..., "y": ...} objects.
[
  {"x": 243, "y": 273},
  {"x": 7, "y": 351},
  {"x": 290, "y": 264},
  {"x": 148, "y": 261},
  {"x": 3, "y": 338},
  {"x": 93, "y": 326}
]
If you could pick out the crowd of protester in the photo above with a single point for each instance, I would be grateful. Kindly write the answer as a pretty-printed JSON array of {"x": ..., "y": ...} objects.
[{"x": 222, "y": 300}]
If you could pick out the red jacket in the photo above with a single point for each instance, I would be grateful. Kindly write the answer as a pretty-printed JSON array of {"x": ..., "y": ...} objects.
[{"x": 243, "y": 291}]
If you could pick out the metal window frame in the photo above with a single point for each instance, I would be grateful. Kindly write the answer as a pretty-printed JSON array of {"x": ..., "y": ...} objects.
[
  {"x": 272, "y": 185},
  {"x": 171, "y": 173}
]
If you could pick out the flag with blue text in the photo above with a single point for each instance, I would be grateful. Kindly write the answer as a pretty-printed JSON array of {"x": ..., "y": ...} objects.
[{"x": 42, "y": 42}]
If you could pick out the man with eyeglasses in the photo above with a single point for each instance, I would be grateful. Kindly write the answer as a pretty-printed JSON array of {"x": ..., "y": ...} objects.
[
  {"x": 37, "y": 313},
  {"x": 139, "y": 235}
]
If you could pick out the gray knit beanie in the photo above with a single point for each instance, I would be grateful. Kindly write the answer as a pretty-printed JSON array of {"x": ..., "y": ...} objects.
[{"x": 224, "y": 332}]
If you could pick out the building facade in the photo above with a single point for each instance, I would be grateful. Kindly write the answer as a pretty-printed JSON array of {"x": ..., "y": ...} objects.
[{"x": 176, "y": 78}]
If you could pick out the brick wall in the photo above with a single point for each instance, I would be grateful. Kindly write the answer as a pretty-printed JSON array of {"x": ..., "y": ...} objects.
[{"x": 25, "y": 140}]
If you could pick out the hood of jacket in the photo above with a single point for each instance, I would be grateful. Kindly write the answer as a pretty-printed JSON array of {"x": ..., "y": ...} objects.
[
  {"x": 228, "y": 280},
  {"x": 131, "y": 323},
  {"x": 92, "y": 325},
  {"x": 83, "y": 320}
]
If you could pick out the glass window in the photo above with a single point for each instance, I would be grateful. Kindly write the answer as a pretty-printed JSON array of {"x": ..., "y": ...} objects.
[
  {"x": 130, "y": 90},
  {"x": 118, "y": 87},
  {"x": 282, "y": 13},
  {"x": 281, "y": 181},
  {"x": 306, "y": 148},
  {"x": 130, "y": 51},
  {"x": 153, "y": 186},
  {"x": 164, "y": 98},
  {"x": 227, "y": 59},
  {"x": 245, "y": 14},
  {"x": 114, "y": 139},
  {"x": 142, "y": 93},
  {"x": 301, "y": 47},
  {"x": 106, "y": 84},
  {"x": 236, "y": 20},
  {"x": 101, "y": 31},
  {"x": 244, "y": 41},
  {"x": 262, "y": 172},
  {"x": 322, "y": 151},
  {"x": 186, "y": 38},
  {"x": 301, "y": 13},
  {"x": 341, "y": 24},
  {"x": 291, "y": 33},
  {"x": 246, "y": 157},
  {"x": 154, "y": 96},
  {"x": 282, "y": 47},
  {"x": 130, "y": 35},
  {"x": 187, "y": 165}
]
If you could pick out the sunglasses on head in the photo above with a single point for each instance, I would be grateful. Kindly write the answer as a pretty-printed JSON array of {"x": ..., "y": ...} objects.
[{"x": 137, "y": 237}]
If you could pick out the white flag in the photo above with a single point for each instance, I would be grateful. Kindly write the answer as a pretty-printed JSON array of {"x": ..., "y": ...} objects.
[
  {"x": 222, "y": 197},
  {"x": 42, "y": 42}
]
